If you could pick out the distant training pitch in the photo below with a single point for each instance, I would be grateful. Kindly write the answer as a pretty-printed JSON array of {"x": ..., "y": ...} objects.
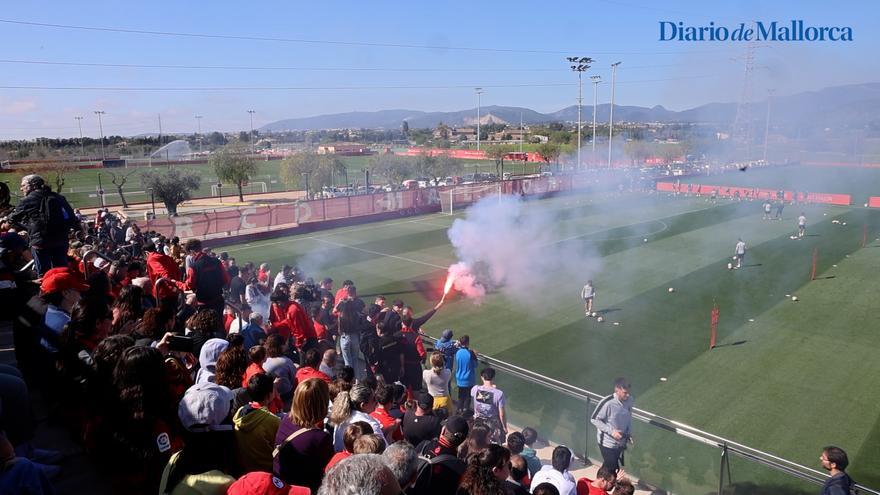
[{"x": 785, "y": 378}]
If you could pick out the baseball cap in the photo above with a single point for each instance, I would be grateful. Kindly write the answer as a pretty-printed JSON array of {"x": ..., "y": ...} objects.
[
  {"x": 426, "y": 401},
  {"x": 204, "y": 407},
  {"x": 59, "y": 279},
  {"x": 101, "y": 263},
  {"x": 260, "y": 483},
  {"x": 457, "y": 426}
]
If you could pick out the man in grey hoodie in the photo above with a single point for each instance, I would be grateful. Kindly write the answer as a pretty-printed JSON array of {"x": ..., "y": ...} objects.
[{"x": 613, "y": 419}]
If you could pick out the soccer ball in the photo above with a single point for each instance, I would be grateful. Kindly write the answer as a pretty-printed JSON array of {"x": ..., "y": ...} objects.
[
  {"x": 730, "y": 266},
  {"x": 794, "y": 298},
  {"x": 646, "y": 239},
  {"x": 600, "y": 319},
  {"x": 670, "y": 289},
  {"x": 594, "y": 314}
]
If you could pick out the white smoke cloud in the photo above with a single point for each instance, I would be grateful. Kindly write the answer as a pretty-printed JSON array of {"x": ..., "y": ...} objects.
[{"x": 521, "y": 248}]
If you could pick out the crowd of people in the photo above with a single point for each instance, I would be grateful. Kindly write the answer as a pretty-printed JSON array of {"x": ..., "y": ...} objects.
[{"x": 181, "y": 370}]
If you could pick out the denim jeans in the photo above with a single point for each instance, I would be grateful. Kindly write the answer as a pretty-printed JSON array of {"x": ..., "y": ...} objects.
[
  {"x": 350, "y": 345},
  {"x": 48, "y": 258}
]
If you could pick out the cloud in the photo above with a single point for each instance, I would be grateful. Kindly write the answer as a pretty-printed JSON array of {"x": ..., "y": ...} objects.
[{"x": 18, "y": 107}]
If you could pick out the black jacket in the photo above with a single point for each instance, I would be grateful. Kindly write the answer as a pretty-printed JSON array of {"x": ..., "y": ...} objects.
[{"x": 28, "y": 215}]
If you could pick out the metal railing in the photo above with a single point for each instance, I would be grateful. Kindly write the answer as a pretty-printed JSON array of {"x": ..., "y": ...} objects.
[{"x": 726, "y": 448}]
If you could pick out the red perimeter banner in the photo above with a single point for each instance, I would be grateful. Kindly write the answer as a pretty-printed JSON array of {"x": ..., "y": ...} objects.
[
  {"x": 874, "y": 202},
  {"x": 753, "y": 193}
]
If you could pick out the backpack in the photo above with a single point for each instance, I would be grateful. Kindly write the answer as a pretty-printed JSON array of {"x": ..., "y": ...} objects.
[
  {"x": 209, "y": 278},
  {"x": 56, "y": 213},
  {"x": 425, "y": 471}
]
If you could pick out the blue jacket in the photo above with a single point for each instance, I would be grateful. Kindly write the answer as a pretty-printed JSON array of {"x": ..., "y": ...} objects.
[
  {"x": 839, "y": 484},
  {"x": 465, "y": 368}
]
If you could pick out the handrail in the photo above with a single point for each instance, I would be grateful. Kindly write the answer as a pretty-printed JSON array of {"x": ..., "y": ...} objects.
[
  {"x": 765, "y": 458},
  {"x": 87, "y": 266}
]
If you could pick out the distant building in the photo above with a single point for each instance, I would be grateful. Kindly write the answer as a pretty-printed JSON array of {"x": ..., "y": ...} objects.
[{"x": 344, "y": 149}]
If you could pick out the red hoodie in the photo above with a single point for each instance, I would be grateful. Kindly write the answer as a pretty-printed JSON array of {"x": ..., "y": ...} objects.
[{"x": 300, "y": 324}]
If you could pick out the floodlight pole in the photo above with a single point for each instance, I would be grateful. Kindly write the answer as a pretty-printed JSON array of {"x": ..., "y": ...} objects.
[
  {"x": 252, "y": 112},
  {"x": 479, "y": 92},
  {"x": 199, "y": 121},
  {"x": 101, "y": 127},
  {"x": 595, "y": 80},
  {"x": 579, "y": 65},
  {"x": 611, "y": 116},
  {"x": 82, "y": 149},
  {"x": 767, "y": 123}
]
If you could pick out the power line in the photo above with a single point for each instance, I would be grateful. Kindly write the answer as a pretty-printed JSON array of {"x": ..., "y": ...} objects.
[
  {"x": 294, "y": 68},
  {"x": 334, "y": 42},
  {"x": 320, "y": 88}
]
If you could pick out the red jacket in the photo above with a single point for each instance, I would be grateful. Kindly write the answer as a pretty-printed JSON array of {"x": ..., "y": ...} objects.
[
  {"x": 307, "y": 372},
  {"x": 163, "y": 266},
  {"x": 300, "y": 324},
  {"x": 278, "y": 320}
]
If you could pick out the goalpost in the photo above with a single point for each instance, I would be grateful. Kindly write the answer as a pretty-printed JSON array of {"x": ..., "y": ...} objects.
[
  {"x": 463, "y": 195},
  {"x": 249, "y": 188}
]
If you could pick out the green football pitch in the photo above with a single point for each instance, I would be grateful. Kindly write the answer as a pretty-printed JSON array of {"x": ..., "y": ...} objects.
[{"x": 786, "y": 377}]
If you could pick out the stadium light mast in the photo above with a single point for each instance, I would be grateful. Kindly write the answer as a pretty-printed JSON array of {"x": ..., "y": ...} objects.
[
  {"x": 596, "y": 80},
  {"x": 767, "y": 123},
  {"x": 579, "y": 65},
  {"x": 101, "y": 128},
  {"x": 611, "y": 116},
  {"x": 252, "y": 112},
  {"x": 82, "y": 149},
  {"x": 199, "y": 121},
  {"x": 479, "y": 92}
]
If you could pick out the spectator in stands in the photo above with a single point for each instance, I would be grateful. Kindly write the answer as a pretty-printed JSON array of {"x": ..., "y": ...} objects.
[
  {"x": 518, "y": 481},
  {"x": 161, "y": 266},
  {"x": 465, "y": 373},
  {"x": 387, "y": 352},
  {"x": 206, "y": 277},
  {"x": 349, "y": 437},
  {"x": 256, "y": 356},
  {"x": 446, "y": 346},
  {"x": 445, "y": 468},
  {"x": 489, "y": 405},
  {"x": 351, "y": 324},
  {"x": 89, "y": 324},
  {"x": 48, "y": 218},
  {"x": 303, "y": 447},
  {"x": 153, "y": 326},
  {"x": 301, "y": 328},
  {"x": 204, "y": 413},
  {"x": 280, "y": 366},
  {"x": 835, "y": 461},
  {"x": 369, "y": 444},
  {"x": 328, "y": 363},
  {"x": 208, "y": 356},
  {"x": 421, "y": 424},
  {"x": 401, "y": 459},
  {"x": 545, "y": 489},
  {"x": 477, "y": 441},
  {"x": 326, "y": 288},
  {"x": 284, "y": 276},
  {"x": 385, "y": 402},
  {"x": 364, "y": 474},
  {"x": 240, "y": 319},
  {"x": 530, "y": 436},
  {"x": 623, "y": 487},
  {"x": 257, "y": 295},
  {"x": 201, "y": 327},
  {"x": 260, "y": 483},
  {"x": 20, "y": 475},
  {"x": 236, "y": 286},
  {"x": 128, "y": 308},
  {"x": 253, "y": 333},
  {"x": 139, "y": 432},
  {"x": 60, "y": 290},
  {"x": 309, "y": 369},
  {"x": 256, "y": 426},
  {"x": 486, "y": 472},
  {"x": 612, "y": 419},
  {"x": 602, "y": 485},
  {"x": 264, "y": 273},
  {"x": 353, "y": 405},
  {"x": 557, "y": 472},
  {"x": 231, "y": 366}
]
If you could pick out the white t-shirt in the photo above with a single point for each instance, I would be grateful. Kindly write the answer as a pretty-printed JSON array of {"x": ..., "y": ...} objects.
[
  {"x": 354, "y": 418},
  {"x": 564, "y": 482},
  {"x": 588, "y": 291},
  {"x": 802, "y": 221},
  {"x": 740, "y": 247},
  {"x": 437, "y": 384}
]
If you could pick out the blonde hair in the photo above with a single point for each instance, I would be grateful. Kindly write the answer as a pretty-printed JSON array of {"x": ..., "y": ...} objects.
[
  {"x": 437, "y": 361},
  {"x": 348, "y": 401},
  {"x": 310, "y": 401}
]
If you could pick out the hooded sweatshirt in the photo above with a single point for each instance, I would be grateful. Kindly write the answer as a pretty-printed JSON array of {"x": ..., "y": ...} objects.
[
  {"x": 208, "y": 359},
  {"x": 255, "y": 429}
]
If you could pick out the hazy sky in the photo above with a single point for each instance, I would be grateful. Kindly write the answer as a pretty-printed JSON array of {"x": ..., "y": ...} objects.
[{"x": 515, "y": 50}]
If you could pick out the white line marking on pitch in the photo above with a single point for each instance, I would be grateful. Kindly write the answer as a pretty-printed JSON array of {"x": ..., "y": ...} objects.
[{"x": 377, "y": 253}]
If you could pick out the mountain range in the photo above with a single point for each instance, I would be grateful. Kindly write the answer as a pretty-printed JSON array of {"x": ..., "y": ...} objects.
[{"x": 837, "y": 107}]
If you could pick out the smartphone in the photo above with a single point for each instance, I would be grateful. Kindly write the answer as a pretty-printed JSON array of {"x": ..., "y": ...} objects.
[{"x": 180, "y": 343}]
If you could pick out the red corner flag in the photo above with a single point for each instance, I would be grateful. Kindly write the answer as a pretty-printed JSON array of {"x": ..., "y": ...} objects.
[{"x": 714, "y": 334}]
